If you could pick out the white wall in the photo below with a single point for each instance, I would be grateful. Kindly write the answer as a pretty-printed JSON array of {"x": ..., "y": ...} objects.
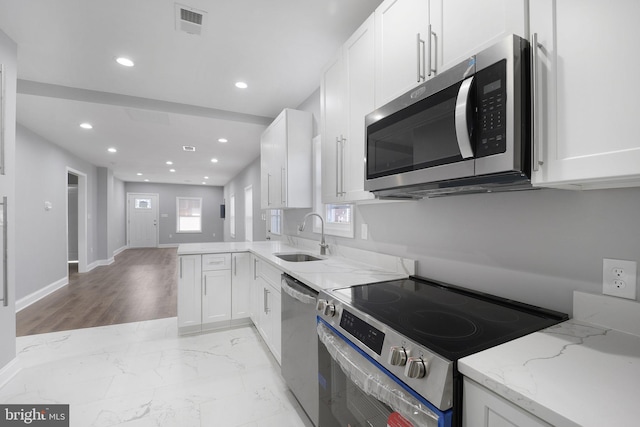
[
  {"x": 211, "y": 201},
  {"x": 249, "y": 176}
]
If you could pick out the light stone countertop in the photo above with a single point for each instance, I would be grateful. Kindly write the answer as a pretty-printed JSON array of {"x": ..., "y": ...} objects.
[
  {"x": 582, "y": 372},
  {"x": 351, "y": 267}
]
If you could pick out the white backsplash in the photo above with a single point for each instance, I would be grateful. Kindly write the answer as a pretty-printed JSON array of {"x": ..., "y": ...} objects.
[
  {"x": 384, "y": 261},
  {"x": 610, "y": 312}
]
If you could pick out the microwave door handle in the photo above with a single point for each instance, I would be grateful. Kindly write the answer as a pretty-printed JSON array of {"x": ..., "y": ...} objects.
[{"x": 462, "y": 131}]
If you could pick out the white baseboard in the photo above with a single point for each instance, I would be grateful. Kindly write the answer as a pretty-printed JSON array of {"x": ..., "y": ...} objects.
[
  {"x": 99, "y": 263},
  {"x": 117, "y": 251},
  {"x": 25, "y": 302},
  {"x": 9, "y": 371}
]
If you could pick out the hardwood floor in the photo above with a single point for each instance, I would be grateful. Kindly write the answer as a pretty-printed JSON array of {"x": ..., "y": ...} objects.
[{"x": 140, "y": 285}]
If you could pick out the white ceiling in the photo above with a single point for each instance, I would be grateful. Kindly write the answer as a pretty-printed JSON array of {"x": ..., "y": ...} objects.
[{"x": 181, "y": 90}]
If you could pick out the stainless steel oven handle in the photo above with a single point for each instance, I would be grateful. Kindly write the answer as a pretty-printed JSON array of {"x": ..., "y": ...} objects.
[
  {"x": 462, "y": 131},
  {"x": 373, "y": 381}
]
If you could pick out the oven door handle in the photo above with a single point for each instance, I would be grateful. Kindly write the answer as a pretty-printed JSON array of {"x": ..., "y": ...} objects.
[
  {"x": 373, "y": 381},
  {"x": 461, "y": 119}
]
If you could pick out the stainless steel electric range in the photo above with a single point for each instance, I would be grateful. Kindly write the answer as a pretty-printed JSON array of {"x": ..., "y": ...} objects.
[{"x": 389, "y": 350}]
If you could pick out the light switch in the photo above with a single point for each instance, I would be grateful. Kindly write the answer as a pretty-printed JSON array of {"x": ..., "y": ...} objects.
[{"x": 48, "y": 206}]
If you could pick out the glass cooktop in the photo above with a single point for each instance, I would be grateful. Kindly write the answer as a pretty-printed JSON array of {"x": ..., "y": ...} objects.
[{"x": 451, "y": 321}]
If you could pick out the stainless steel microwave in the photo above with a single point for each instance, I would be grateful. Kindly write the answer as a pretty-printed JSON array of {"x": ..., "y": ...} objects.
[{"x": 465, "y": 130}]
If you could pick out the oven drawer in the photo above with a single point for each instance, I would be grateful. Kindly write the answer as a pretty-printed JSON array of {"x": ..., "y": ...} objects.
[{"x": 355, "y": 391}]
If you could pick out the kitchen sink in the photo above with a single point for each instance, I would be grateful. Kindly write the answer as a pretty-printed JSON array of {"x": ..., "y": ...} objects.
[{"x": 298, "y": 257}]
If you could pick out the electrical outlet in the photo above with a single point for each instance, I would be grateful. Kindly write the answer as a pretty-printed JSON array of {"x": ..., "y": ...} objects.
[{"x": 619, "y": 278}]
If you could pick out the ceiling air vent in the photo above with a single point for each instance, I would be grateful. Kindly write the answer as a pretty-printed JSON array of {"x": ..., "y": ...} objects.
[
  {"x": 188, "y": 148},
  {"x": 189, "y": 19}
]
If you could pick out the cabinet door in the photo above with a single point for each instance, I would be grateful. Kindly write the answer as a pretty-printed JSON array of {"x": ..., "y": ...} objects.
[
  {"x": 216, "y": 296},
  {"x": 189, "y": 292},
  {"x": 483, "y": 408},
  {"x": 402, "y": 35},
  {"x": 255, "y": 292},
  {"x": 241, "y": 282},
  {"x": 464, "y": 27},
  {"x": 332, "y": 106},
  {"x": 359, "y": 60},
  {"x": 270, "y": 166},
  {"x": 275, "y": 319},
  {"x": 585, "y": 119}
]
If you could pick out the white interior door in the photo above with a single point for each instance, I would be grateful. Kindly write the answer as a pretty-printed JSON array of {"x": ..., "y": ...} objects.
[
  {"x": 142, "y": 214},
  {"x": 248, "y": 214}
]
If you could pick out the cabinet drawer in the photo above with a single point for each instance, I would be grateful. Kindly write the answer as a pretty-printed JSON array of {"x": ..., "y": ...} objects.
[
  {"x": 269, "y": 273},
  {"x": 216, "y": 262}
]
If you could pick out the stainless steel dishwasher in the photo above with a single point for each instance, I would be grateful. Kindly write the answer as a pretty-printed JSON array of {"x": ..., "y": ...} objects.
[{"x": 300, "y": 344}]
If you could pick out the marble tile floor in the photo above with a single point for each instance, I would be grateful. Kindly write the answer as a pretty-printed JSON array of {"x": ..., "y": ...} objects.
[{"x": 143, "y": 374}]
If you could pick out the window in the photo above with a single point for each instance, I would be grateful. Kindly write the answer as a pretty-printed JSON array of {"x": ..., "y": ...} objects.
[
  {"x": 142, "y": 203},
  {"x": 338, "y": 219},
  {"x": 189, "y": 215},
  {"x": 232, "y": 216},
  {"x": 275, "y": 221}
]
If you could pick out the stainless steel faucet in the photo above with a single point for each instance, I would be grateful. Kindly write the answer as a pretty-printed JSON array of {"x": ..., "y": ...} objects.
[{"x": 323, "y": 244}]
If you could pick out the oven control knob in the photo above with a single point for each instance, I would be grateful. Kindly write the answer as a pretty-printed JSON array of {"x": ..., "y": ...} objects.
[
  {"x": 321, "y": 304},
  {"x": 398, "y": 356},
  {"x": 416, "y": 367},
  {"x": 329, "y": 310}
]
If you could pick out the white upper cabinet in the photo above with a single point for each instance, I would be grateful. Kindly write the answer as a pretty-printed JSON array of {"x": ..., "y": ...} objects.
[
  {"x": 465, "y": 27},
  {"x": 418, "y": 39},
  {"x": 402, "y": 47},
  {"x": 585, "y": 119},
  {"x": 347, "y": 95},
  {"x": 285, "y": 161}
]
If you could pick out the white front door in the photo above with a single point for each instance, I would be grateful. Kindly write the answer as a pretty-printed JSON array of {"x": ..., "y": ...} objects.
[{"x": 142, "y": 214}]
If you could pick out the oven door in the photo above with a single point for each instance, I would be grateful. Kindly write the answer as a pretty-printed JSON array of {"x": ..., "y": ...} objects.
[{"x": 355, "y": 391}]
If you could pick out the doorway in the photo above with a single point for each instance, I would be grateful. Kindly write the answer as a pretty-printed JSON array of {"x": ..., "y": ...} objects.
[
  {"x": 77, "y": 219},
  {"x": 142, "y": 220},
  {"x": 248, "y": 214}
]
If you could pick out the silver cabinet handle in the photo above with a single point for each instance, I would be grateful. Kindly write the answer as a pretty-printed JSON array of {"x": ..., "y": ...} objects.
[
  {"x": 535, "y": 136},
  {"x": 337, "y": 167},
  {"x": 430, "y": 53},
  {"x": 462, "y": 132},
  {"x": 265, "y": 300},
  {"x": 420, "y": 59},
  {"x": 5, "y": 277},
  {"x": 342, "y": 143},
  {"x": 181, "y": 267},
  {"x": 235, "y": 266},
  {"x": 268, "y": 189},
  {"x": 255, "y": 268},
  {"x": 340, "y": 165},
  {"x": 283, "y": 186},
  {"x": 205, "y": 286}
]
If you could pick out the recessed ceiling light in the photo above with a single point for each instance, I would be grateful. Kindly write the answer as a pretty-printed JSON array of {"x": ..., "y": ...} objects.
[
  {"x": 139, "y": 174},
  {"x": 125, "y": 62},
  {"x": 169, "y": 162},
  {"x": 112, "y": 150},
  {"x": 204, "y": 182},
  {"x": 223, "y": 140},
  {"x": 86, "y": 126},
  {"x": 214, "y": 160},
  {"x": 172, "y": 170},
  {"x": 241, "y": 85},
  {"x": 146, "y": 180},
  {"x": 206, "y": 177}
]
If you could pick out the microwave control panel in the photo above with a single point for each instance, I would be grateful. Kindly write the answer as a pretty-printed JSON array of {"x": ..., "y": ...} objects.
[{"x": 491, "y": 95}]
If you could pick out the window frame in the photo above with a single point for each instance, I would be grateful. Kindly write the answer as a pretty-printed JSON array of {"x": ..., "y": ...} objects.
[{"x": 178, "y": 216}]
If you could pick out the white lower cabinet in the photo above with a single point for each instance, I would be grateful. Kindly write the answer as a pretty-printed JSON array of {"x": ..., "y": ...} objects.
[
  {"x": 266, "y": 305},
  {"x": 483, "y": 408},
  {"x": 213, "y": 291}
]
